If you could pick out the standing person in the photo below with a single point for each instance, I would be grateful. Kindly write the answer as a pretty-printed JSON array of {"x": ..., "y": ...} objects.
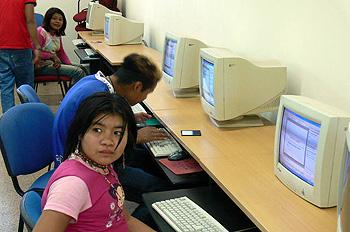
[
  {"x": 17, "y": 28},
  {"x": 84, "y": 193},
  {"x": 135, "y": 79},
  {"x": 54, "y": 59}
]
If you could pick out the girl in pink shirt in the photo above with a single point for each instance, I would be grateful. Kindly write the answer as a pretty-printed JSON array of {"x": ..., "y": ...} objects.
[
  {"x": 84, "y": 193},
  {"x": 54, "y": 59}
]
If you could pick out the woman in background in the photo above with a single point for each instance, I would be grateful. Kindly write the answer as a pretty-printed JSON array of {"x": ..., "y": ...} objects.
[
  {"x": 84, "y": 193},
  {"x": 54, "y": 60}
]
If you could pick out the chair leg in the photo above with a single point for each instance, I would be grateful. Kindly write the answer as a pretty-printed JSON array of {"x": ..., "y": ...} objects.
[
  {"x": 66, "y": 86},
  {"x": 62, "y": 91},
  {"x": 20, "y": 224}
]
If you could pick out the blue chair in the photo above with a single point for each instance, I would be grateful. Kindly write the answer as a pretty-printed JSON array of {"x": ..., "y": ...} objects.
[
  {"x": 25, "y": 143},
  {"x": 39, "y": 18},
  {"x": 27, "y": 94},
  {"x": 30, "y": 209}
]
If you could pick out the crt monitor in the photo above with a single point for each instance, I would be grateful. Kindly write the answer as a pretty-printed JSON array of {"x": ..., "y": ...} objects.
[
  {"x": 120, "y": 30},
  {"x": 180, "y": 64},
  {"x": 309, "y": 143},
  {"x": 343, "y": 207},
  {"x": 96, "y": 15},
  {"x": 234, "y": 90}
]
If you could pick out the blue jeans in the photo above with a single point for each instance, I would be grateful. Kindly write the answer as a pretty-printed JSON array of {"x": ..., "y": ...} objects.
[
  {"x": 75, "y": 71},
  {"x": 16, "y": 66}
]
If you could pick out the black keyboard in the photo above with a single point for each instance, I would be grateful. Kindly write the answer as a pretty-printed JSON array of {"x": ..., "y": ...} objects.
[{"x": 83, "y": 56}]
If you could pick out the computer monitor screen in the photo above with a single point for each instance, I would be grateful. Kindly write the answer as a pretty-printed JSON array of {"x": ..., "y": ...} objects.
[
  {"x": 234, "y": 90},
  {"x": 180, "y": 64},
  {"x": 207, "y": 75},
  {"x": 120, "y": 30},
  {"x": 343, "y": 207},
  {"x": 106, "y": 31},
  {"x": 298, "y": 145},
  {"x": 309, "y": 142},
  {"x": 169, "y": 57}
]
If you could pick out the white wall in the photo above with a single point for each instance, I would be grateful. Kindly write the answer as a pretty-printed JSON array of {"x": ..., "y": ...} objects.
[{"x": 311, "y": 38}]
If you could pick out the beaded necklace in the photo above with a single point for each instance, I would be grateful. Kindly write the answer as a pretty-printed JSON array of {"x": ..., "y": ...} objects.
[
  {"x": 90, "y": 162},
  {"x": 94, "y": 165}
]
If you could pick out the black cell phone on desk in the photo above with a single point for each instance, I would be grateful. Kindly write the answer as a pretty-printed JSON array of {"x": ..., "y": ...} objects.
[{"x": 191, "y": 133}]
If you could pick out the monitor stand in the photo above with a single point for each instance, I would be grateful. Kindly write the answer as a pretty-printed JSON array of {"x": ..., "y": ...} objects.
[
  {"x": 98, "y": 32},
  {"x": 188, "y": 92},
  {"x": 137, "y": 40},
  {"x": 242, "y": 121}
]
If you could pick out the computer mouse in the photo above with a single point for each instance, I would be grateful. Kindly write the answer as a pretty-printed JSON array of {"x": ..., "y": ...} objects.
[{"x": 177, "y": 155}]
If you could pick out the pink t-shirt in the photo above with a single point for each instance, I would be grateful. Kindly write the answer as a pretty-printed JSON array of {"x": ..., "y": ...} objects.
[
  {"x": 69, "y": 195},
  {"x": 83, "y": 194}
]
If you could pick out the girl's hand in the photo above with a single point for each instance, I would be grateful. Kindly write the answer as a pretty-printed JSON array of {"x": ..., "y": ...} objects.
[
  {"x": 56, "y": 61},
  {"x": 56, "y": 65}
]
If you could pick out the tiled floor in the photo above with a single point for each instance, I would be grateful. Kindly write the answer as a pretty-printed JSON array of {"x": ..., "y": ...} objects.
[{"x": 9, "y": 199}]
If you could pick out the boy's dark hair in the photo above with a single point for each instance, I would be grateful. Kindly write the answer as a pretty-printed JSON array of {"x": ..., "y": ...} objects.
[
  {"x": 100, "y": 104},
  {"x": 48, "y": 16},
  {"x": 138, "y": 67}
]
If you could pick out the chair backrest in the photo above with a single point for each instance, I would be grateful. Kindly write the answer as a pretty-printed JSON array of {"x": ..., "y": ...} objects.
[
  {"x": 27, "y": 94},
  {"x": 39, "y": 18},
  {"x": 110, "y": 4},
  {"x": 25, "y": 138},
  {"x": 30, "y": 209}
]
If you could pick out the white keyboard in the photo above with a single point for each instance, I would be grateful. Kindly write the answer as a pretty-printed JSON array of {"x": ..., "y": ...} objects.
[
  {"x": 77, "y": 42},
  {"x": 182, "y": 214},
  {"x": 165, "y": 147},
  {"x": 89, "y": 52},
  {"x": 138, "y": 108}
]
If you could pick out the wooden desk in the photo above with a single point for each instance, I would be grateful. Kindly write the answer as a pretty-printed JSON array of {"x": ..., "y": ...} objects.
[
  {"x": 115, "y": 54},
  {"x": 240, "y": 160},
  {"x": 241, "y": 163}
]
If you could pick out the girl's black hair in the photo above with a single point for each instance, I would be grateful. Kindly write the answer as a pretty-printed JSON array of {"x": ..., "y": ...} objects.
[
  {"x": 48, "y": 16},
  {"x": 100, "y": 104}
]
